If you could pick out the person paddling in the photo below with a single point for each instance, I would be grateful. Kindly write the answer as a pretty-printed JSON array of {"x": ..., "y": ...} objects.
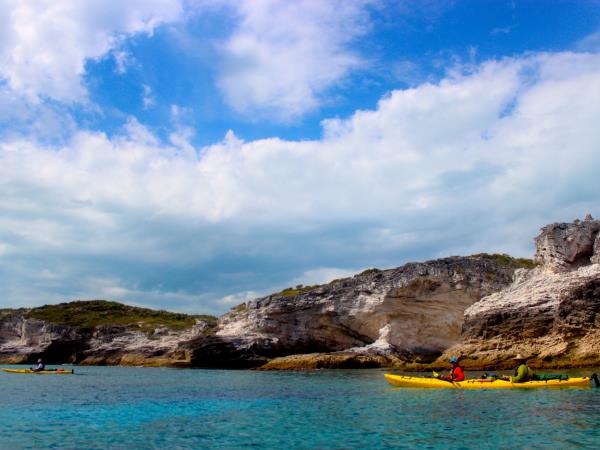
[
  {"x": 456, "y": 374},
  {"x": 40, "y": 366}
]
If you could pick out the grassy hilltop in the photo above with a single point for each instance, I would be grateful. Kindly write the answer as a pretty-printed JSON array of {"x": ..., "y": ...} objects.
[{"x": 94, "y": 313}]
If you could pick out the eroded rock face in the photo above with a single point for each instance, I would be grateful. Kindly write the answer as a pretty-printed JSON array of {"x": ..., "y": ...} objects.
[
  {"x": 24, "y": 340},
  {"x": 567, "y": 246},
  {"x": 551, "y": 313},
  {"x": 228, "y": 352},
  {"x": 415, "y": 310},
  {"x": 595, "y": 259}
]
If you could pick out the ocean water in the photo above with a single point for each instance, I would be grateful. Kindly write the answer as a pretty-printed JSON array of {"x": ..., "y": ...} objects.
[{"x": 118, "y": 408}]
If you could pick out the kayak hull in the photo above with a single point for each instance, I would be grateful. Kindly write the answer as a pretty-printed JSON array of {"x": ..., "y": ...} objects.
[
  {"x": 41, "y": 372},
  {"x": 417, "y": 382}
]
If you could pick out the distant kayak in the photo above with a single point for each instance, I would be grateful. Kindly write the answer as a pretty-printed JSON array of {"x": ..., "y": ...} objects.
[
  {"x": 487, "y": 383},
  {"x": 41, "y": 372}
]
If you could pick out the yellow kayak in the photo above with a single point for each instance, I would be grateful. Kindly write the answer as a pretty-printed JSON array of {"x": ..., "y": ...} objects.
[
  {"x": 488, "y": 383},
  {"x": 41, "y": 372}
]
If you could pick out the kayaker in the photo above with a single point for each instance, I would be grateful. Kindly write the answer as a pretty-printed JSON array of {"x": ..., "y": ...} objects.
[
  {"x": 40, "y": 366},
  {"x": 522, "y": 372},
  {"x": 456, "y": 374}
]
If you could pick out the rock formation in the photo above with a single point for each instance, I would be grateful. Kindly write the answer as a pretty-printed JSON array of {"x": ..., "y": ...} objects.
[
  {"x": 379, "y": 317},
  {"x": 25, "y": 337},
  {"x": 563, "y": 247},
  {"x": 551, "y": 313}
]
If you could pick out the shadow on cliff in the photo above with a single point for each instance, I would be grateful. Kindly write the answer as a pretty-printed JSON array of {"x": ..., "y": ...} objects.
[
  {"x": 219, "y": 352},
  {"x": 60, "y": 352}
]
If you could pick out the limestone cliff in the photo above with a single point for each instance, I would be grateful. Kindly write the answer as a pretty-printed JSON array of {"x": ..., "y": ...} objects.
[
  {"x": 563, "y": 247},
  {"x": 98, "y": 332},
  {"x": 378, "y": 317},
  {"x": 551, "y": 313}
]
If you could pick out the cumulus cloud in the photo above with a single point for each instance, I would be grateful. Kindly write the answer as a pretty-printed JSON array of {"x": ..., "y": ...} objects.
[
  {"x": 284, "y": 55},
  {"x": 476, "y": 162},
  {"x": 41, "y": 120},
  {"x": 44, "y": 45},
  {"x": 278, "y": 61}
]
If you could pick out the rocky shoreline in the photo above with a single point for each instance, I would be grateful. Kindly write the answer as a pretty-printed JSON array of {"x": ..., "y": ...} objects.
[{"x": 414, "y": 317}]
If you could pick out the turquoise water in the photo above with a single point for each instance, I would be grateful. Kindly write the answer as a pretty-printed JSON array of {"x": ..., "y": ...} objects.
[{"x": 116, "y": 407}]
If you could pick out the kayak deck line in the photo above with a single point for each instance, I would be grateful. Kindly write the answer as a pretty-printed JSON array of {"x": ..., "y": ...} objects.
[
  {"x": 485, "y": 383},
  {"x": 41, "y": 372}
]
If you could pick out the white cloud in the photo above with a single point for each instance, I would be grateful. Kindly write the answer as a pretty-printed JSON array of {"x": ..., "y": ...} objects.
[
  {"x": 148, "y": 99},
  {"x": 235, "y": 299},
  {"x": 41, "y": 120},
  {"x": 501, "y": 30},
  {"x": 44, "y": 44},
  {"x": 284, "y": 55},
  {"x": 278, "y": 61},
  {"x": 322, "y": 275},
  {"x": 122, "y": 60},
  {"x": 590, "y": 43},
  {"x": 178, "y": 113},
  {"x": 476, "y": 162}
]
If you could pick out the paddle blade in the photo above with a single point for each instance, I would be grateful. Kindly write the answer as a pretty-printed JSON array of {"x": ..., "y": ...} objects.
[{"x": 435, "y": 374}]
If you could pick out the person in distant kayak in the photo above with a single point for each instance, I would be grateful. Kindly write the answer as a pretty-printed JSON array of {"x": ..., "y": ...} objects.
[
  {"x": 40, "y": 366},
  {"x": 522, "y": 372},
  {"x": 456, "y": 374}
]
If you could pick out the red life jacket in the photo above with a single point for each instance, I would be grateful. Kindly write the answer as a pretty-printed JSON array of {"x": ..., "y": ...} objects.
[{"x": 457, "y": 374}]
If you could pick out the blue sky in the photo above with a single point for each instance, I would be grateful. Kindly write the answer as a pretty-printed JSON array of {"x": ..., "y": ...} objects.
[
  {"x": 403, "y": 44},
  {"x": 193, "y": 154}
]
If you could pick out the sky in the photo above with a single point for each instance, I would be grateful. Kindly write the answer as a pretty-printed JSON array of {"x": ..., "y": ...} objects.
[{"x": 191, "y": 155}]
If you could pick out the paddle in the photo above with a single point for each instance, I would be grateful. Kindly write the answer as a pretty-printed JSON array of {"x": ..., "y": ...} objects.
[{"x": 437, "y": 375}]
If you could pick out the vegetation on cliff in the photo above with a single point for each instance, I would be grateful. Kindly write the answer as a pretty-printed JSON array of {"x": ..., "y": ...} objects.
[
  {"x": 508, "y": 261},
  {"x": 300, "y": 289},
  {"x": 94, "y": 313}
]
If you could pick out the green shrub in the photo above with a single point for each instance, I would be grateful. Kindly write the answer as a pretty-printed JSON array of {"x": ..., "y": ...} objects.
[
  {"x": 508, "y": 261},
  {"x": 370, "y": 271},
  {"x": 337, "y": 280},
  {"x": 300, "y": 289},
  {"x": 240, "y": 308}
]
